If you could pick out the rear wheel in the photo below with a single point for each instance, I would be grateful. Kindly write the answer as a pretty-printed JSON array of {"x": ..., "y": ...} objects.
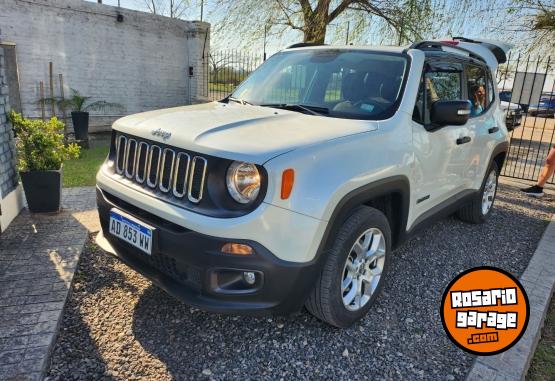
[
  {"x": 479, "y": 209},
  {"x": 352, "y": 275}
]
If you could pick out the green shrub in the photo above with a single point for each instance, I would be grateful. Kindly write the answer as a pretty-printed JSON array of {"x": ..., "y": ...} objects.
[{"x": 40, "y": 145}]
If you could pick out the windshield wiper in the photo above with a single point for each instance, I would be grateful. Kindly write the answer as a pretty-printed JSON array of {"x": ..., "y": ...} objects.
[
  {"x": 314, "y": 110},
  {"x": 237, "y": 100}
]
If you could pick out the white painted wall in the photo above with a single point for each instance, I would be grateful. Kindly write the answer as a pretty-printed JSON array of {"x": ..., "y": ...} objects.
[{"x": 141, "y": 63}]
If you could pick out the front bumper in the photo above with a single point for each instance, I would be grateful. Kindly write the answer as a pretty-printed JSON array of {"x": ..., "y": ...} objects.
[
  {"x": 190, "y": 266},
  {"x": 513, "y": 119}
]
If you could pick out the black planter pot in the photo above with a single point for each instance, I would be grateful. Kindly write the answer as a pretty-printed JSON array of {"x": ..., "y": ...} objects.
[
  {"x": 43, "y": 190},
  {"x": 80, "y": 121}
]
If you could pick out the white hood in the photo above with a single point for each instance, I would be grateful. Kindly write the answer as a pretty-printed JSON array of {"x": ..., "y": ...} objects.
[{"x": 239, "y": 132}]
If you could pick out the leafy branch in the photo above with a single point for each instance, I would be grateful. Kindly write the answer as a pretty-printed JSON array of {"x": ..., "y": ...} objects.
[
  {"x": 40, "y": 144},
  {"x": 78, "y": 102}
]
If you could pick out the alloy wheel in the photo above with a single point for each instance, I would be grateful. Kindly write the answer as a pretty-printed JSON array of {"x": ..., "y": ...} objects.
[
  {"x": 363, "y": 269},
  {"x": 489, "y": 192}
]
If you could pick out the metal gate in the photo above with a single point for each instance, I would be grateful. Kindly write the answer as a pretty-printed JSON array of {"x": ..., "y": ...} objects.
[
  {"x": 526, "y": 86},
  {"x": 226, "y": 69}
]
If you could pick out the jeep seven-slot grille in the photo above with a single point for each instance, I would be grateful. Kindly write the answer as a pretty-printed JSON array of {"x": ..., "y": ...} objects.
[{"x": 171, "y": 171}]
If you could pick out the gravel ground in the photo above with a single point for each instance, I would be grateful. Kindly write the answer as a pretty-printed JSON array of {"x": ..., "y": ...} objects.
[{"x": 117, "y": 325}]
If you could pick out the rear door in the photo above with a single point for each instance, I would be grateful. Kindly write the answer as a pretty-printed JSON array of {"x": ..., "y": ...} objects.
[
  {"x": 440, "y": 155},
  {"x": 482, "y": 125}
]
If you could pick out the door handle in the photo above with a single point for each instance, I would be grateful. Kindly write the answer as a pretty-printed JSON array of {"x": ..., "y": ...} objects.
[
  {"x": 493, "y": 130},
  {"x": 463, "y": 140}
]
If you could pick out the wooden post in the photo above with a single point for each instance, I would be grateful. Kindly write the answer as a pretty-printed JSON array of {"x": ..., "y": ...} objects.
[
  {"x": 41, "y": 93},
  {"x": 51, "y": 79},
  {"x": 64, "y": 116}
]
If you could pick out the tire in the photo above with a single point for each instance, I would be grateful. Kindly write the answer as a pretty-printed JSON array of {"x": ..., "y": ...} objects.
[
  {"x": 326, "y": 301},
  {"x": 473, "y": 212}
]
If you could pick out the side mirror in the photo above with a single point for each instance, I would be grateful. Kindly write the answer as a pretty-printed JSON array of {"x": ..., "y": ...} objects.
[{"x": 454, "y": 113}]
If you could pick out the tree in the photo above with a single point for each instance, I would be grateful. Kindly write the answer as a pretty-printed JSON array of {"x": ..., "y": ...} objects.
[
  {"x": 170, "y": 8},
  {"x": 393, "y": 21},
  {"x": 532, "y": 25},
  {"x": 312, "y": 18}
]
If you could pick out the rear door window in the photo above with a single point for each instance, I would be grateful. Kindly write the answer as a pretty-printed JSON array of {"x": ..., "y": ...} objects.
[{"x": 480, "y": 92}]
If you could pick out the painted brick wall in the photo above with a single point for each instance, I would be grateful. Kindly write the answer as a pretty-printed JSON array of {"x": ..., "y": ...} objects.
[
  {"x": 8, "y": 174},
  {"x": 141, "y": 63}
]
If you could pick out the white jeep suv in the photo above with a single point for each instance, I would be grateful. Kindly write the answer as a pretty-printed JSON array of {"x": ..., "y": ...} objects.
[{"x": 295, "y": 190}]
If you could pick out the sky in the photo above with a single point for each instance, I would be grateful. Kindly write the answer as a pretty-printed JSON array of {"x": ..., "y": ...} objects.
[
  {"x": 475, "y": 26},
  {"x": 478, "y": 25},
  {"x": 210, "y": 15}
]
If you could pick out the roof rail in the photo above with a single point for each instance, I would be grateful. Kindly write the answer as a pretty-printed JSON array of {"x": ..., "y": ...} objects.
[
  {"x": 303, "y": 44},
  {"x": 438, "y": 45}
]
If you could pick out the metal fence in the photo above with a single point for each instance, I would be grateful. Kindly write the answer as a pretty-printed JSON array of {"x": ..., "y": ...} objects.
[
  {"x": 529, "y": 83},
  {"x": 226, "y": 69},
  {"x": 526, "y": 90}
]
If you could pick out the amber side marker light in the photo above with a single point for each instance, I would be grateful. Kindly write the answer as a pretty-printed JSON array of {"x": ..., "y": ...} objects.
[
  {"x": 236, "y": 249},
  {"x": 287, "y": 181}
]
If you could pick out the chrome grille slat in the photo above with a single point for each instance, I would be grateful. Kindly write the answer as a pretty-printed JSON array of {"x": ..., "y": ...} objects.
[
  {"x": 150, "y": 183},
  {"x": 129, "y": 174},
  {"x": 139, "y": 155},
  {"x": 120, "y": 157},
  {"x": 172, "y": 172},
  {"x": 162, "y": 187},
  {"x": 175, "y": 191},
  {"x": 190, "y": 195}
]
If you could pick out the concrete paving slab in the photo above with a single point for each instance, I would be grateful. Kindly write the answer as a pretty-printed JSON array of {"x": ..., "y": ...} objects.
[{"x": 38, "y": 257}]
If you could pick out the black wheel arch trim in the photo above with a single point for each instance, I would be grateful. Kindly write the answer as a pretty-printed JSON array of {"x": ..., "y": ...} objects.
[
  {"x": 500, "y": 148},
  {"x": 347, "y": 205}
]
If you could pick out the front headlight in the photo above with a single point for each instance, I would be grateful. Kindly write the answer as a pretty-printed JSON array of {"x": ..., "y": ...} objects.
[{"x": 243, "y": 182}]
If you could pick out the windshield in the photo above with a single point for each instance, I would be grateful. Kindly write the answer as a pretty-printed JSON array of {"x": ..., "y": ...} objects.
[{"x": 331, "y": 82}]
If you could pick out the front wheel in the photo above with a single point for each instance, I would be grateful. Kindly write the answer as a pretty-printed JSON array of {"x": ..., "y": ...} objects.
[
  {"x": 355, "y": 266},
  {"x": 479, "y": 209}
]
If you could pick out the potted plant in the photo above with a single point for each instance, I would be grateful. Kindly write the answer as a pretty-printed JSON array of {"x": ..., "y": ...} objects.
[
  {"x": 80, "y": 107},
  {"x": 40, "y": 155}
]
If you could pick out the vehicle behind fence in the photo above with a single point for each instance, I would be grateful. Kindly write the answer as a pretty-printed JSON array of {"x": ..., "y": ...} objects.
[
  {"x": 526, "y": 84},
  {"x": 526, "y": 92}
]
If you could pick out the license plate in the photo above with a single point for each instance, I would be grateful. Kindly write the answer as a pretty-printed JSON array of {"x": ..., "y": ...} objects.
[{"x": 131, "y": 231}]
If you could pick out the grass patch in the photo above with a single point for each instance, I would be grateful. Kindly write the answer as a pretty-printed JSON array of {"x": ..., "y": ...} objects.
[
  {"x": 226, "y": 87},
  {"x": 543, "y": 363},
  {"x": 82, "y": 172}
]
